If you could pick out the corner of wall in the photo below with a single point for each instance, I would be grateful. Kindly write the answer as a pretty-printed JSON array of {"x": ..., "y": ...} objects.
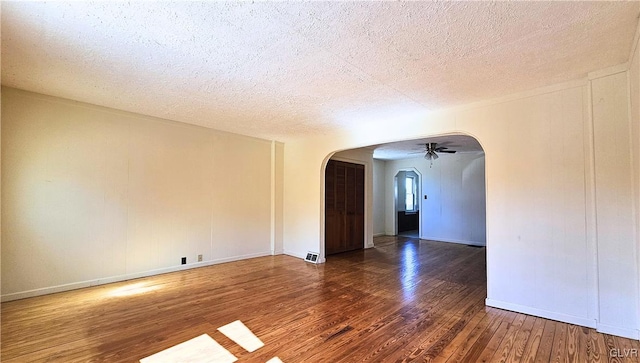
[
  {"x": 615, "y": 188},
  {"x": 1, "y": 187},
  {"x": 633, "y": 81},
  {"x": 634, "y": 44},
  {"x": 277, "y": 198}
]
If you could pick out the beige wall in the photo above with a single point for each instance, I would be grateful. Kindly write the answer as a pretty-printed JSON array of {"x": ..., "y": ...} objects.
[
  {"x": 541, "y": 245},
  {"x": 0, "y": 194},
  {"x": 95, "y": 195}
]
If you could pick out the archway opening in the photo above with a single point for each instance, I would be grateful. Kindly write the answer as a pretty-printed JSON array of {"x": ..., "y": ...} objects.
[
  {"x": 448, "y": 192},
  {"x": 445, "y": 195}
]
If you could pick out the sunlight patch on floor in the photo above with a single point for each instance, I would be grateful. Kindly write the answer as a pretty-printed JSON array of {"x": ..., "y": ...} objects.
[
  {"x": 133, "y": 289},
  {"x": 240, "y": 334},
  {"x": 204, "y": 349}
]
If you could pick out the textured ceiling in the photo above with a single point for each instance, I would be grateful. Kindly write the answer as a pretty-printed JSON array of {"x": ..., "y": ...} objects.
[
  {"x": 280, "y": 70},
  {"x": 415, "y": 148}
]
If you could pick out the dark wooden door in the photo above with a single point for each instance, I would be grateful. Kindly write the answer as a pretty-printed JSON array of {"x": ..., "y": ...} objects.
[{"x": 344, "y": 207}]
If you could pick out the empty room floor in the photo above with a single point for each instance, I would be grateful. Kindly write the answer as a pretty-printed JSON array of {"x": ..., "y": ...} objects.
[
  {"x": 413, "y": 234},
  {"x": 406, "y": 299}
]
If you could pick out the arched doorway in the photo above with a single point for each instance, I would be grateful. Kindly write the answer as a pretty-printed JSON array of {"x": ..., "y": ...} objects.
[
  {"x": 344, "y": 206},
  {"x": 450, "y": 193}
]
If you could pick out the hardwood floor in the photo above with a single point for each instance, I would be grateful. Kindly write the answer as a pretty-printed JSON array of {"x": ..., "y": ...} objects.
[{"x": 404, "y": 300}]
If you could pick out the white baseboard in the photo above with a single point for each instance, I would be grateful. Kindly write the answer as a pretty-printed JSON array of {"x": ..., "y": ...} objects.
[
  {"x": 463, "y": 242},
  {"x": 621, "y": 332},
  {"x": 379, "y": 234},
  {"x": 571, "y": 319},
  {"x": 295, "y": 254},
  {"x": 589, "y": 323},
  {"x": 131, "y": 276}
]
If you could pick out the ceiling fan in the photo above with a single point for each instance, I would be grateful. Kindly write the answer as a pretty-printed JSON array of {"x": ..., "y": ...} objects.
[{"x": 432, "y": 148}]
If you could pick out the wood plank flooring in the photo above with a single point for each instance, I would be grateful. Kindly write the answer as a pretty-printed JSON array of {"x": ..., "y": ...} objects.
[{"x": 404, "y": 300}]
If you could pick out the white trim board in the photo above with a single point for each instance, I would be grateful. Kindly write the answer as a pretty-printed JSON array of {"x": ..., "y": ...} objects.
[
  {"x": 571, "y": 319},
  {"x": 131, "y": 276},
  {"x": 619, "y": 68},
  {"x": 621, "y": 332},
  {"x": 295, "y": 254},
  {"x": 459, "y": 241}
]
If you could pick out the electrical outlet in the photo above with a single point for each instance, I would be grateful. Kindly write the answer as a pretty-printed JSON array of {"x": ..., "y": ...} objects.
[
  {"x": 199, "y": 258},
  {"x": 184, "y": 260}
]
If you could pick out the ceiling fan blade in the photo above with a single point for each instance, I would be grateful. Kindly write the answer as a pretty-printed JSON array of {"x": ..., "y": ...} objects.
[
  {"x": 448, "y": 151},
  {"x": 435, "y": 156}
]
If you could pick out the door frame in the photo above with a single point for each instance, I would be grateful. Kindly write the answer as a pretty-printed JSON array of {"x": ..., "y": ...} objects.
[
  {"x": 368, "y": 198},
  {"x": 395, "y": 199}
]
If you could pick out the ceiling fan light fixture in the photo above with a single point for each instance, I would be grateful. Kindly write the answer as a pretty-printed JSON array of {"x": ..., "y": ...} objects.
[
  {"x": 430, "y": 155},
  {"x": 431, "y": 151}
]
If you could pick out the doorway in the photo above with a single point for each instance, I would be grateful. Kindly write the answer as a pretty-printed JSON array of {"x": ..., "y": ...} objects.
[
  {"x": 407, "y": 203},
  {"x": 344, "y": 207}
]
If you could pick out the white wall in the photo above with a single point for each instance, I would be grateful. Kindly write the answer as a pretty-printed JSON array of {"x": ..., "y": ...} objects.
[
  {"x": 541, "y": 247},
  {"x": 93, "y": 195},
  {"x": 379, "y": 205},
  {"x": 616, "y": 235},
  {"x": 455, "y": 208}
]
